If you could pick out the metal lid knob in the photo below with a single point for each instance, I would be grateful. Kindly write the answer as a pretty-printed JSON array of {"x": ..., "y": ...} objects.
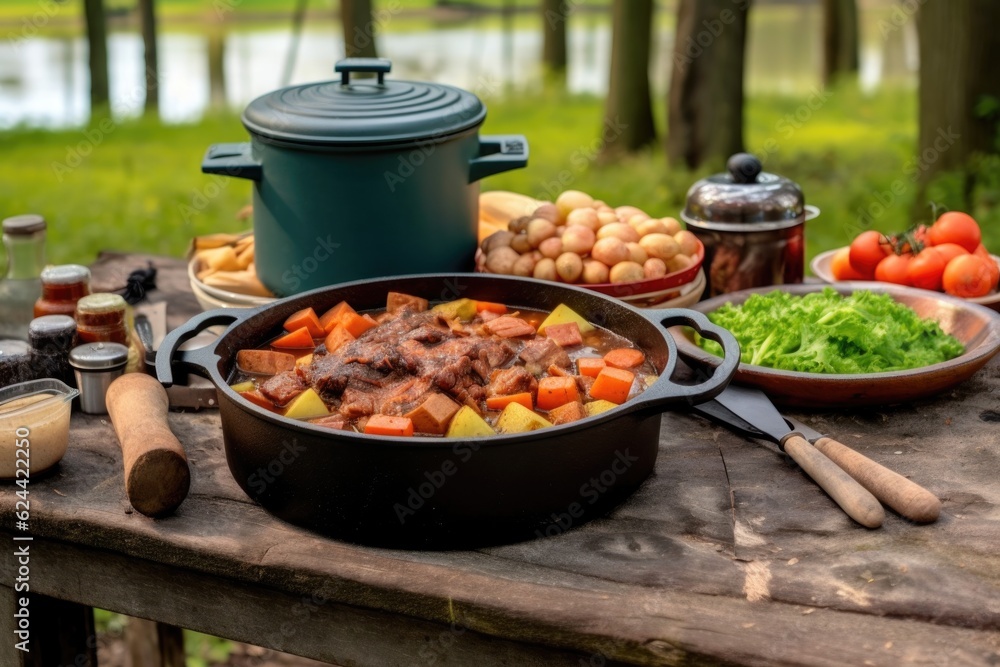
[{"x": 744, "y": 168}]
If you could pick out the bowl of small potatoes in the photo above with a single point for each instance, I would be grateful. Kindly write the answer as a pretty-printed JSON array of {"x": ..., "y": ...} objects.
[{"x": 222, "y": 273}]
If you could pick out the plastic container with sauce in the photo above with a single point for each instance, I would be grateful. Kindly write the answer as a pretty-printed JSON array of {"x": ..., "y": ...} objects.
[
  {"x": 62, "y": 287},
  {"x": 100, "y": 318},
  {"x": 34, "y": 418}
]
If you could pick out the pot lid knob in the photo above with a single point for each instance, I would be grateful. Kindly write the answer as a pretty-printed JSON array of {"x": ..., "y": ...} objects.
[
  {"x": 380, "y": 66},
  {"x": 744, "y": 168}
]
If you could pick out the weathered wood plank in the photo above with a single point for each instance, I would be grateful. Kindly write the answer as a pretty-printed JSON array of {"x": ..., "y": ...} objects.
[
  {"x": 10, "y": 655},
  {"x": 728, "y": 553}
]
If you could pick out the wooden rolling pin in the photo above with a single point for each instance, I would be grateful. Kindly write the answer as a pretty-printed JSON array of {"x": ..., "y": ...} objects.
[{"x": 157, "y": 477}]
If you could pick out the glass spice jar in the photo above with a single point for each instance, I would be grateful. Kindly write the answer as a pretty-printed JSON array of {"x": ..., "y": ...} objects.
[
  {"x": 15, "y": 362},
  {"x": 62, "y": 287},
  {"x": 51, "y": 338},
  {"x": 100, "y": 318}
]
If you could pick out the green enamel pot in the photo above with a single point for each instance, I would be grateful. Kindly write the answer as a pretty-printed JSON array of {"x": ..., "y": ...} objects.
[{"x": 364, "y": 178}]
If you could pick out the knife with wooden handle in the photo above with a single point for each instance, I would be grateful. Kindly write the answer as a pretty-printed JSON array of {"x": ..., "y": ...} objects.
[
  {"x": 908, "y": 498},
  {"x": 157, "y": 477}
]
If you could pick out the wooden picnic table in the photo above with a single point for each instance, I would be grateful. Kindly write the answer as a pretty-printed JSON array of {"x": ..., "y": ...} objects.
[{"x": 727, "y": 554}]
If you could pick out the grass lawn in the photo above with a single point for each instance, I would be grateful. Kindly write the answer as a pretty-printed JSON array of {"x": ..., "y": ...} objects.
[{"x": 138, "y": 186}]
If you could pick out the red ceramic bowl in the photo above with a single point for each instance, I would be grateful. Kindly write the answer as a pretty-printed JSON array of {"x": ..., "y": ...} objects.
[{"x": 637, "y": 288}]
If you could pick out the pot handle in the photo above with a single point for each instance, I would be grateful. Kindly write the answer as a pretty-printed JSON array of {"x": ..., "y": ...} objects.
[
  {"x": 380, "y": 66},
  {"x": 664, "y": 391},
  {"x": 232, "y": 160},
  {"x": 498, "y": 154},
  {"x": 199, "y": 360}
]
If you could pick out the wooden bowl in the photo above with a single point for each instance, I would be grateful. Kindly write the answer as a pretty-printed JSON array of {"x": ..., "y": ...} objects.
[
  {"x": 821, "y": 267},
  {"x": 975, "y": 326}
]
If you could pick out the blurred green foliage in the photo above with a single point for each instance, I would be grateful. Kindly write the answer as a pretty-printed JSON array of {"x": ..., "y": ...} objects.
[{"x": 137, "y": 185}]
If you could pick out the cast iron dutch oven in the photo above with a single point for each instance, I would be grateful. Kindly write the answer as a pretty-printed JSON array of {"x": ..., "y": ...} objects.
[
  {"x": 364, "y": 178},
  {"x": 433, "y": 492}
]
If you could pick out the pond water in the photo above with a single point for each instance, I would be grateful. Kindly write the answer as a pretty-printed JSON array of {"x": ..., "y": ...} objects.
[{"x": 44, "y": 81}]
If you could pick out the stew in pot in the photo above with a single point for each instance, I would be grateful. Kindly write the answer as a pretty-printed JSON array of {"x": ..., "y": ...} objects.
[{"x": 459, "y": 369}]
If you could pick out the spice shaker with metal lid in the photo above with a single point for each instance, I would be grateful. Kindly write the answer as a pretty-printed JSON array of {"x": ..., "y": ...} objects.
[
  {"x": 752, "y": 226},
  {"x": 96, "y": 365}
]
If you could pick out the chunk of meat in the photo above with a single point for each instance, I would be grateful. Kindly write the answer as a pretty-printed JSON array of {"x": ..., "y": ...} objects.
[
  {"x": 509, "y": 381},
  {"x": 508, "y": 326},
  {"x": 539, "y": 354},
  {"x": 569, "y": 412},
  {"x": 283, "y": 387},
  {"x": 264, "y": 362},
  {"x": 565, "y": 335},
  {"x": 395, "y": 301},
  {"x": 434, "y": 414},
  {"x": 584, "y": 382},
  {"x": 357, "y": 403}
]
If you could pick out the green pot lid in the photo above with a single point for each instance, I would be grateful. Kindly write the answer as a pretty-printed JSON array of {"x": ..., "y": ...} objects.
[{"x": 365, "y": 112}]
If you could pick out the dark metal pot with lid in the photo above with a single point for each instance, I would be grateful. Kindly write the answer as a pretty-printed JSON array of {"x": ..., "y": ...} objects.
[
  {"x": 752, "y": 224},
  {"x": 362, "y": 178}
]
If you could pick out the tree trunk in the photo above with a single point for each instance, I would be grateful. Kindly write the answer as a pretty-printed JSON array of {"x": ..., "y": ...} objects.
[
  {"x": 840, "y": 39},
  {"x": 147, "y": 17},
  {"x": 97, "y": 57},
  {"x": 958, "y": 47},
  {"x": 359, "y": 28},
  {"x": 628, "y": 114},
  {"x": 217, "y": 67},
  {"x": 554, "y": 16},
  {"x": 705, "y": 103}
]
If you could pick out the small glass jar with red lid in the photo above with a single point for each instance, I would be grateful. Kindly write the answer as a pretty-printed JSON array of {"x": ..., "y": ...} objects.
[
  {"x": 100, "y": 318},
  {"x": 62, "y": 287}
]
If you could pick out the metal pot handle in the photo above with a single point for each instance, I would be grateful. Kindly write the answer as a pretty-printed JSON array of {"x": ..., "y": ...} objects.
[
  {"x": 199, "y": 360},
  {"x": 498, "y": 154},
  {"x": 380, "y": 66},
  {"x": 665, "y": 391},
  {"x": 235, "y": 160}
]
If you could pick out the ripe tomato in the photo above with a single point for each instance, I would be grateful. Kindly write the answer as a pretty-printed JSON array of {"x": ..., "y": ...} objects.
[
  {"x": 955, "y": 227},
  {"x": 981, "y": 251},
  {"x": 867, "y": 250},
  {"x": 950, "y": 251},
  {"x": 968, "y": 276},
  {"x": 926, "y": 269},
  {"x": 894, "y": 269},
  {"x": 840, "y": 266}
]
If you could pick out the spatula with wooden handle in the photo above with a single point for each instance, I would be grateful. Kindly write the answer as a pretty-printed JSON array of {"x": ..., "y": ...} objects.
[
  {"x": 157, "y": 477},
  {"x": 908, "y": 498},
  {"x": 749, "y": 410}
]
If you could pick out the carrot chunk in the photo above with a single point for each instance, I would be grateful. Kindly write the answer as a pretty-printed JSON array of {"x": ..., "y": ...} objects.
[
  {"x": 625, "y": 357},
  {"x": 556, "y": 391},
  {"x": 264, "y": 362},
  {"x": 298, "y": 338},
  {"x": 387, "y": 425},
  {"x": 509, "y": 327},
  {"x": 337, "y": 338},
  {"x": 305, "y": 318},
  {"x": 565, "y": 335},
  {"x": 570, "y": 412},
  {"x": 357, "y": 324},
  {"x": 331, "y": 318},
  {"x": 257, "y": 398},
  {"x": 590, "y": 366},
  {"x": 501, "y": 402},
  {"x": 491, "y": 307},
  {"x": 612, "y": 384}
]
